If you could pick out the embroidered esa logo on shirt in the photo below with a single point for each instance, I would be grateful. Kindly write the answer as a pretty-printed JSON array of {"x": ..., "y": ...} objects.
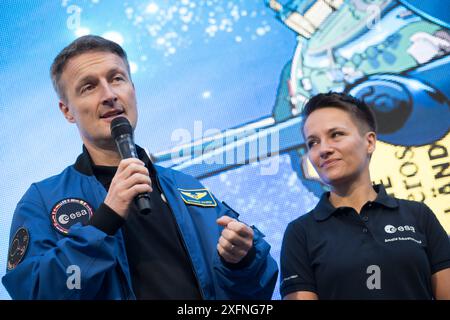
[
  {"x": 391, "y": 229},
  {"x": 68, "y": 212}
]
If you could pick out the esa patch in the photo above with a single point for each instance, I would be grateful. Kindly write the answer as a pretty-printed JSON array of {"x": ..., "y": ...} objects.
[
  {"x": 68, "y": 212},
  {"x": 18, "y": 247},
  {"x": 198, "y": 197}
]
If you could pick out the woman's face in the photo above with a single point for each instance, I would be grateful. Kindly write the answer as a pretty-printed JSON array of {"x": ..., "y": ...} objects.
[{"x": 339, "y": 152}]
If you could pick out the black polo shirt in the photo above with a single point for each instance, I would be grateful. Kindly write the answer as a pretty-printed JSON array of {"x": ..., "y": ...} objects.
[{"x": 388, "y": 251}]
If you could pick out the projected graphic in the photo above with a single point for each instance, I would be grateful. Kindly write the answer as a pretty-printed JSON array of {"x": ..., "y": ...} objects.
[{"x": 395, "y": 56}]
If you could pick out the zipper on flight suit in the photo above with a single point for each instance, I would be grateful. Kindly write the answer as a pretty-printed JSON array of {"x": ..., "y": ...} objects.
[{"x": 158, "y": 184}]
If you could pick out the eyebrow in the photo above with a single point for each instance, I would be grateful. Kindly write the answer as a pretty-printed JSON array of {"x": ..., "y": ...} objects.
[
  {"x": 328, "y": 131},
  {"x": 91, "y": 78},
  {"x": 84, "y": 80},
  {"x": 116, "y": 70}
]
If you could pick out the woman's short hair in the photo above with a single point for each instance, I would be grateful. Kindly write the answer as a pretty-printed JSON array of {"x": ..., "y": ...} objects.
[{"x": 358, "y": 109}]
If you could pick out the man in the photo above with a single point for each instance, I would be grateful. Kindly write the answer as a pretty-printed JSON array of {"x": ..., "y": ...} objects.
[{"x": 78, "y": 235}]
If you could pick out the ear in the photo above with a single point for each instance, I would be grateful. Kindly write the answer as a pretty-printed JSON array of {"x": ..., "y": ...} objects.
[
  {"x": 371, "y": 139},
  {"x": 66, "y": 112}
]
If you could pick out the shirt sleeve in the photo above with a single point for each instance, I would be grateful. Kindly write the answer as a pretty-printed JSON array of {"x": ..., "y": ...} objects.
[
  {"x": 254, "y": 278},
  {"x": 106, "y": 220},
  {"x": 296, "y": 271},
  {"x": 438, "y": 249},
  {"x": 43, "y": 271}
]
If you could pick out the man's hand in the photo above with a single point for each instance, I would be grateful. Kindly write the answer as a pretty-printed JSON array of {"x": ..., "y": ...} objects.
[
  {"x": 236, "y": 239},
  {"x": 131, "y": 179}
]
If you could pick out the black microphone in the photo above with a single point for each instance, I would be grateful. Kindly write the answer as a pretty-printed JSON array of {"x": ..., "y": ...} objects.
[{"x": 122, "y": 133}]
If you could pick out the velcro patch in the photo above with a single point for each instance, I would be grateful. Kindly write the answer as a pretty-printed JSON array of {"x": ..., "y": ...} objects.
[
  {"x": 18, "y": 247},
  {"x": 68, "y": 212},
  {"x": 198, "y": 197}
]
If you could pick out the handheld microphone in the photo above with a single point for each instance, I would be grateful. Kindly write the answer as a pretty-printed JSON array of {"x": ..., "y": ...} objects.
[{"x": 122, "y": 133}]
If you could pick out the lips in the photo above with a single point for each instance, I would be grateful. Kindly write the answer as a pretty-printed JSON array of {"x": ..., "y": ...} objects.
[
  {"x": 111, "y": 114},
  {"x": 328, "y": 163}
]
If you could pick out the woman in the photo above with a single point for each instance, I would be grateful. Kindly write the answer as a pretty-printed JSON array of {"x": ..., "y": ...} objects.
[{"x": 359, "y": 242}]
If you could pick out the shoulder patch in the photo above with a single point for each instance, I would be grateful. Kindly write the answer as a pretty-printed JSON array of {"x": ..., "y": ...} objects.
[
  {"x": 68, "y": 212},
  {"x": 18, "y": 248},
  {"x": 198, "y": 197}
]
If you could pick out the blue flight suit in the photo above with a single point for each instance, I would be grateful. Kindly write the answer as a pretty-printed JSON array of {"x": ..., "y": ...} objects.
[{"x": 43, "y": 272}]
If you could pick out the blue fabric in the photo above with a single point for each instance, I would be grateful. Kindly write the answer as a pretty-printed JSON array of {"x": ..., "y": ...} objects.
[{"x": 102, "y": 259}]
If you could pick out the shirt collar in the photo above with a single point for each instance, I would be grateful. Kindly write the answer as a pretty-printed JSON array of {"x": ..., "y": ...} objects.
[
  {"x": 84, "y": 163},
  {"x": 383, "y": 198},
  {"x": 325, "y": 209}
]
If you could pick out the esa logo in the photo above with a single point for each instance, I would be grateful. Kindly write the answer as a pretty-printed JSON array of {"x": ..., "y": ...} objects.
[
  {"x": 65, "y": 218},
  {"x": 391, "y": 229}
]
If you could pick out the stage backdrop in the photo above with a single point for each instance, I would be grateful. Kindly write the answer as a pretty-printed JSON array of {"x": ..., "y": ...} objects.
[{"x": 220, "y": 85}]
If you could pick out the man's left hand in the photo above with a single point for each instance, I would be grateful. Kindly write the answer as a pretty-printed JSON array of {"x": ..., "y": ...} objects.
[{"x": 235, "y": 241}]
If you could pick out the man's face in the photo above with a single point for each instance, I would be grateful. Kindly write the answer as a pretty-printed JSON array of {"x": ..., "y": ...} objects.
[
  {"x": 337, "y": 149},
  {"x": 97, "y": 88}
]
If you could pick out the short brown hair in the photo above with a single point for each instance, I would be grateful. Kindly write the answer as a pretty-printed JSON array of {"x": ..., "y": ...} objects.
[
  {"x": 89, "y": 43},
  {"x": 358, "y": 109}
]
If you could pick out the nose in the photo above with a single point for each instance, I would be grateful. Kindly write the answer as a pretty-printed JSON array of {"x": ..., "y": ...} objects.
[
  {"x": 109, "y": 96},
  {"x": 325, "y": 149}
]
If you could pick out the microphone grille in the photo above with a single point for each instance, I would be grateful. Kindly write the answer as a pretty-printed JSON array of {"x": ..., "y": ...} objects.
[{"x": 120, "y": 126}]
